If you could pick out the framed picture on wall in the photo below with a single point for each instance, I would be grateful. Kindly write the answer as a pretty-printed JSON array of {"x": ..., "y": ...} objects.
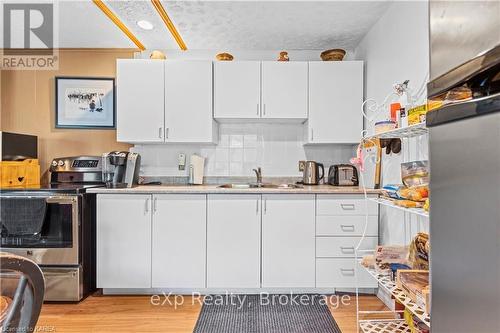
[{"x": 85, "y": 102}]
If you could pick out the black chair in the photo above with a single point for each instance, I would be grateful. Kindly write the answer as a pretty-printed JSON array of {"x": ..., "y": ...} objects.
[{"x": 21, "y": 303}]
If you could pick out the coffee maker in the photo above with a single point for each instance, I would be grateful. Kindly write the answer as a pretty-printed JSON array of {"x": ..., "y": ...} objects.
[{"x": 120, "y": 169}]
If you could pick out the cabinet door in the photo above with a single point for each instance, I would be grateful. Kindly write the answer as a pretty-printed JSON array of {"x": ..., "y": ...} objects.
[
  {"x": 284, "y": 90},
  {"x": 288, "y": 240},
  {"x": 237, "y": 89},
  {"x": 123, "y": 241},
  {"x": 335, "y": 98},
  {"x": 188, "y": 101},
  {"x": 140, "y": 100},
  {"x": 179, "y": 241},
  {"x": 233, "y": 241}
]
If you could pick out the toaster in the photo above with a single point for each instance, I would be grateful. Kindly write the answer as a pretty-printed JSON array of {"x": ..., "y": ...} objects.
[{"x": 343, "y": 175}]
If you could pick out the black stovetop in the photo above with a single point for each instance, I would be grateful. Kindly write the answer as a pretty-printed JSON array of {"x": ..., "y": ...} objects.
[{"x": 57, "y": 188}]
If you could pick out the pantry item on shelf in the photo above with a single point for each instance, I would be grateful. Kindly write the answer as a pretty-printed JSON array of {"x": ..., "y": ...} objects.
[
  {"x": 224, "y": 56},
  {"x": 403, "y": 118},
  {"x": 427, "y": 205},
  {"x": 333, "y": 55},
  {"x": 415, "y": 193},
  {"x": 415, "y": 173},
  {"x": 458, "y": 94},
  {"x": 417, "y": 115},
  {"x": 433, "y": 104},
  {"x": 418, "y": 253},
  {"x": 384, "y": 126},
  {"x": 391, "y": 190},
  {"x": 391, "y": 145},
  {"x": 409, "y": 204},
  {"x": 415, "y": 284},
  {"x": 283, "y": 56},
  {"x": 157, "y": 55},
  {"x": 395, "y": 268},
  {"x": 415, "y": 324},
  {"x": 394, "y": 111},
  {"x": 385, "y": 255},
  {"x": 368, "y": 261}
]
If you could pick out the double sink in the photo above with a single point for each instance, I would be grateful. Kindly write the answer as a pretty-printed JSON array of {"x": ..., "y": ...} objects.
[{"x": 260, "y": 185}]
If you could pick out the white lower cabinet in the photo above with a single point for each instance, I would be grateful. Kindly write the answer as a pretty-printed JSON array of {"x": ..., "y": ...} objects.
[
  {"x": 123, "y": 241},
  {"x": 233, "y": 241},
  {"x": 288, "y": 240},
  {"x": 179, "y": 240},
  {"x": 340, "y": 273}
]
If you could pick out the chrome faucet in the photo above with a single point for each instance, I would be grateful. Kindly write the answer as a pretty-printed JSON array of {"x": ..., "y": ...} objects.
[{"x": 258, "y": 173}]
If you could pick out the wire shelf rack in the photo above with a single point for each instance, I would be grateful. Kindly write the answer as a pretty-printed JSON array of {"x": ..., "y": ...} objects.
[
  {"x": 390, "y": 203},
  {"x": 386, "y": 282},
  {"x": 404, "y": 132},
  {"x": 384, "y": 326}
]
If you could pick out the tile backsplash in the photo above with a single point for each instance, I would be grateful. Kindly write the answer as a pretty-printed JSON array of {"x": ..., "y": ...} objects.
[{"x": 276, "y": 148}]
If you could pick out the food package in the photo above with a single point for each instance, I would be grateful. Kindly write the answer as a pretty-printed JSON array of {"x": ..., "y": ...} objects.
[
  {"x": 391, "y": 190},
  {"x": 409, "y": 203},
  {"x": 416, "y": 193},
  {"x": 427, "y": 205},
  {"x": 368, "y": 261},
  {"x": 418, "y": 253},
  {"x": 415, "y": 173},
  {"x": 417, "y": 114},
  {"x": 415, "y": 324},
  {"x": 415, "y": 284},
  {"x": 385, "y": 255}
]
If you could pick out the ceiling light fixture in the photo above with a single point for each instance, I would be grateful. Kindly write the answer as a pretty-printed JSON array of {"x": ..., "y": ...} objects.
[
  {"x": 146, "y": 25},
  {"x": 170, "y": 25},
  {"x": 119, "y": 23}
]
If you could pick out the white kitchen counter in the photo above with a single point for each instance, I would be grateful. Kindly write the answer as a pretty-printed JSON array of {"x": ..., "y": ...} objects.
[{"x": 200, "y": 189}]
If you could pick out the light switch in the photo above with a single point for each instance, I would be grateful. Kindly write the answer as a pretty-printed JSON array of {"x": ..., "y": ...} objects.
[{"x": 182, "y": 161}]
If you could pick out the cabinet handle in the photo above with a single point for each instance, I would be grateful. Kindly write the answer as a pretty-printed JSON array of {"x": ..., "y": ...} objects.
[
  {"x": 347, "y": 249},
  {"x": 347, "y": 227},
  {"x": 146, "y": 208},
  {"x": 166, "y": 133},
  {"x": 160, "y": 130},
  {"x": 264, "y": 109},
  {"x": 257, "y": 207},
  {"x": 347, "y": 270},
  {"x": 348, "y": 206},
  {"x": 265, "y": 206},
  {"x": 312, "y": 134},
  {"x": 258, "y": 109},
  {"x": 155, "y": 200}
]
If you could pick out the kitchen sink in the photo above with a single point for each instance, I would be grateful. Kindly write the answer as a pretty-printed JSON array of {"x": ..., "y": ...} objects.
[{"x": 254, "y": 185}]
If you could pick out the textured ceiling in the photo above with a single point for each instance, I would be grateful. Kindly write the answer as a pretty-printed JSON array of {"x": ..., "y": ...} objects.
[{"x": 225, "y": 25}]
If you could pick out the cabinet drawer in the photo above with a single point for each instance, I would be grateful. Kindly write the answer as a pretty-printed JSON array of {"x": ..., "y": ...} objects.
[
  {"x": 342, "y": 246},
  {"x": 351, "y": 225},
  {"x": 340, "y": 273},
  {"x": 344, "y": 205}
]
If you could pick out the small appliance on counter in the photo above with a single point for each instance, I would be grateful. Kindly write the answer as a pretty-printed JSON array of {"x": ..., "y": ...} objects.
[
  {"x": 343, "y": 175},
  {"x": 120, "y": 169},
  {"x": 196, "y": 170},
  {"x": 310, "y": 172}
]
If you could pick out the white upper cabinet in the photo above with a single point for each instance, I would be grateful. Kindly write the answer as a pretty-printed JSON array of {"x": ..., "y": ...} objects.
[
  {"x": 284, "y": 89},
  {"x": 335, "y": 98},
  {"x": 139, "y": 100},
  {"x": 237, "y": 89},
  {"x": 164, "y": 101},
  {"x": 188, "y": 102},
  {"x": 288, "y": 241}
]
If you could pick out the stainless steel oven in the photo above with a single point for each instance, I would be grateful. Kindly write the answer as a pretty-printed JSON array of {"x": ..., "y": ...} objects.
[
  {"x": 54, "y": 226},
  {"x": 51, "y": 239}
]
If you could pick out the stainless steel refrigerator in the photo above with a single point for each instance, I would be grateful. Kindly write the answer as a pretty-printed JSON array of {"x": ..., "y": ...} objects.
[{"x": 464, "y": 153}]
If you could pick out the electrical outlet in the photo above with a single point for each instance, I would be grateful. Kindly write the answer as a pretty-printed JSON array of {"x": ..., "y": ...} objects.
[{"x": 181, "y": 161}]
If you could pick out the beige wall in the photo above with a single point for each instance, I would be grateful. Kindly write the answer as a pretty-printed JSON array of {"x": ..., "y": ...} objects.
[{"x": 27, "y": 105}]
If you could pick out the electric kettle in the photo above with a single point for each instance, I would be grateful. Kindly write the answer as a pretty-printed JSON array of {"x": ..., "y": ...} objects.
[{"x": 311, "y": 174}]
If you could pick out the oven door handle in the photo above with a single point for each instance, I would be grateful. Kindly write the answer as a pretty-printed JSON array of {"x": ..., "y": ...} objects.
[{"x": 59, "y": 200}]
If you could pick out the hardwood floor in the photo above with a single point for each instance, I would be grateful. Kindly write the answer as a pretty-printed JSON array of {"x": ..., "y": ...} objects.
[{"x": 138, "y": 314}]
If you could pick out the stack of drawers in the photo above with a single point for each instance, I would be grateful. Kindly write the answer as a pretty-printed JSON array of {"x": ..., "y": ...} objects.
[{"x": 340, "y": 221}]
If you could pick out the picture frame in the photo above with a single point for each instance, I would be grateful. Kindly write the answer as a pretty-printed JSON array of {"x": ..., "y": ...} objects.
[{"x": 85, "y": 102}]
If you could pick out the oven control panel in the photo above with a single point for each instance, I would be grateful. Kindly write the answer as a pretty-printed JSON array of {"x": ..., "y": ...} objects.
[{"x": 76, "y": 164}]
